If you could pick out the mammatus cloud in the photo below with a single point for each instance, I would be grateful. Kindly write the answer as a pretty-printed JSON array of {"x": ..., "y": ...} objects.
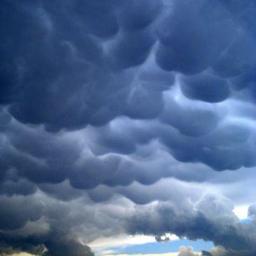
[{"x": 126, "y": 117}]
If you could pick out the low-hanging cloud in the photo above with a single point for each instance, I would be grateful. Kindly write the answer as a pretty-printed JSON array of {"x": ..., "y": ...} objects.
[{"x": 126, "y": 117}]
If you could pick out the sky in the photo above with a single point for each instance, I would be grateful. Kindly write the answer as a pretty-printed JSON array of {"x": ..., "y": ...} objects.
[{"x": 127, "y": 127}]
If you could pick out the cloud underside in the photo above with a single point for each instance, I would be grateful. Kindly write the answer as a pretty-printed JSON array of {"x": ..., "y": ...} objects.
[{"x": 126, "y": 117}]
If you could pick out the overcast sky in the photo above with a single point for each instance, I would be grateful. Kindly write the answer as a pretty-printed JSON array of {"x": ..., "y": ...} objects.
[{"x": 127, "y": 122}]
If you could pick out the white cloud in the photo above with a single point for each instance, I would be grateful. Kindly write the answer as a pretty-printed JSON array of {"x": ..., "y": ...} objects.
[
  {"x": 241, "y": 211},
  {"x": 105, "y": 244}
]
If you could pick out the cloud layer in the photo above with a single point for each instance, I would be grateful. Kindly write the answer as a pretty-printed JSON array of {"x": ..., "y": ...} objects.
[{"x": 130, "y": 117}]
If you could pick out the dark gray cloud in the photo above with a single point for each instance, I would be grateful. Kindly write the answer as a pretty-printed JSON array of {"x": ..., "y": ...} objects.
[
  {"x": 200, "y": 220},
  {"x": 124, "y": 116},
  {"x": 192, "y": 36},
  {"x": 205, "y": 87}
]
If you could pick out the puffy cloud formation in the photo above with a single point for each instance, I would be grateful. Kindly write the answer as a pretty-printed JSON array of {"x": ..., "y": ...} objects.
[
  {"x": 184, "y": 251},
  {"x": 126, "y": 116}
]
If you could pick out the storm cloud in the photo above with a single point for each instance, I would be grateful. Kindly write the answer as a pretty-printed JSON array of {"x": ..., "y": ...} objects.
[{"x": 126, "y": 116}]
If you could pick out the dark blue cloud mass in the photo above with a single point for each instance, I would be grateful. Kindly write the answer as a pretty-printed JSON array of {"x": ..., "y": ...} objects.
[{"x": 126, "y": 116}]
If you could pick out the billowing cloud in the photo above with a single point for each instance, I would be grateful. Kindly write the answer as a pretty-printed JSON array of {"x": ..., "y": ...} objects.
[{"x": 126, "y": 117}]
